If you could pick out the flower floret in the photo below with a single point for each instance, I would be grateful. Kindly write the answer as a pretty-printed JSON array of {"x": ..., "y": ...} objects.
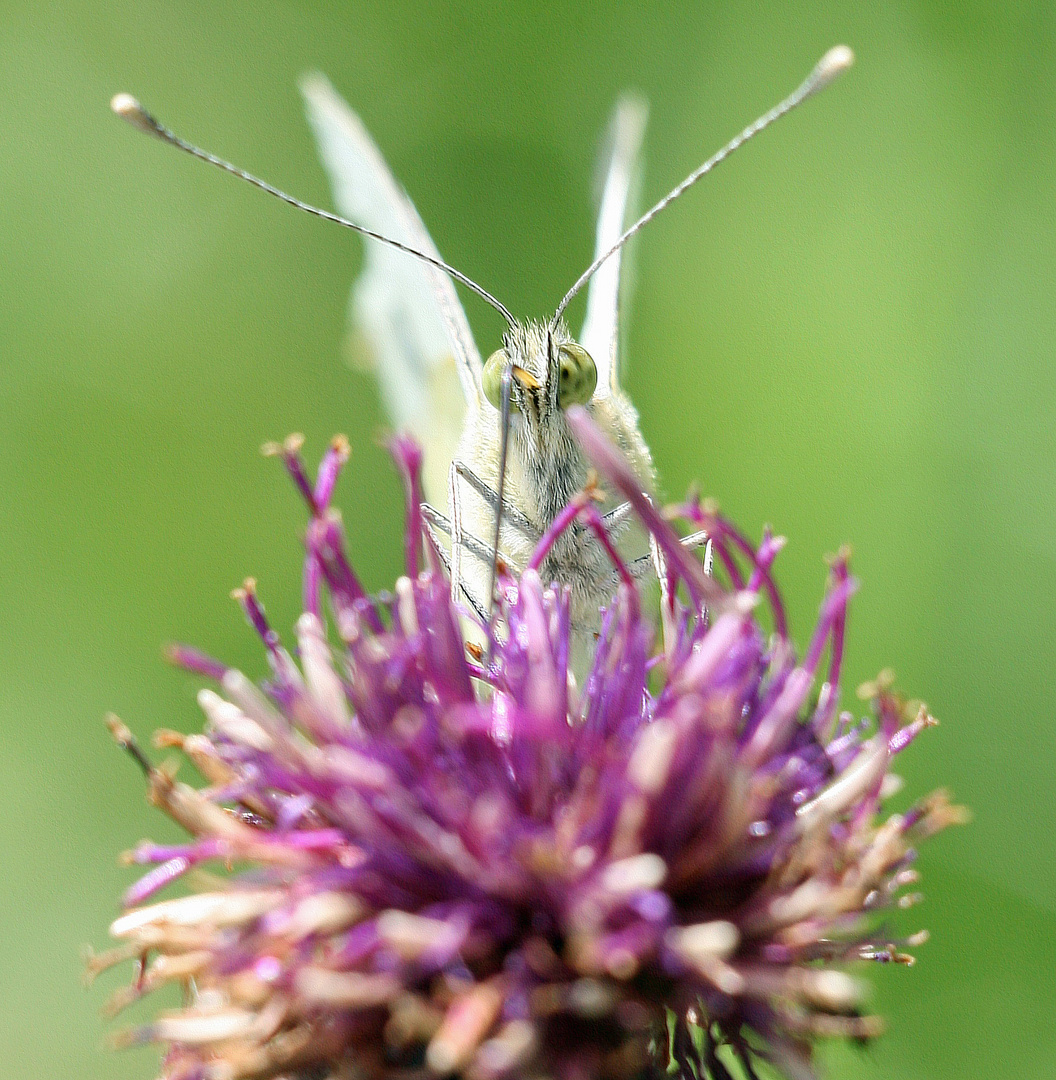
[{"x": 440, "y": 860}]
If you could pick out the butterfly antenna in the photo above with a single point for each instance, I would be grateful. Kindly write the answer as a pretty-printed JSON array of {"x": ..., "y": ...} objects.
[
  {"x": 128, "y": 108},
  {"x": 832, "y": 64},
  {"x": 504, "y": 448}
]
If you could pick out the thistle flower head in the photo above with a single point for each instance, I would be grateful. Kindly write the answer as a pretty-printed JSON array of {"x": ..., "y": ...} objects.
[{"x": 430, "y": 860}]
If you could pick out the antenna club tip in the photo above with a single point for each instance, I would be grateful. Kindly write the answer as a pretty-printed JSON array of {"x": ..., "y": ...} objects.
[
  {"x": 833, "y": 64},
  {"x": 125, "y": 105},
  {"x": 128, "y": 108}
]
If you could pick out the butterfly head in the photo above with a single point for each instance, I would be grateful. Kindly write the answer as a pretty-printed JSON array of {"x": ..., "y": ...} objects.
[{"x": 549, "y": 371}]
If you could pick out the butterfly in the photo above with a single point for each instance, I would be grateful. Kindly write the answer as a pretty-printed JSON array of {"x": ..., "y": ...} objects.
[
  {"x": 407, "y": 317},
  {"x": 500, "y": 456}
]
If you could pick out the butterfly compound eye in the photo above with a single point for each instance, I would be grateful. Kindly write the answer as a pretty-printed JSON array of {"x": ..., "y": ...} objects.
[
  {"x": 491, "y": 379},
  {"x": 578, "y": 375}
]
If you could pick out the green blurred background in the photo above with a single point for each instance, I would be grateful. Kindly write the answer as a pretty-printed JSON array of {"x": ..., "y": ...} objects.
[{"x": 847, "y": 332}]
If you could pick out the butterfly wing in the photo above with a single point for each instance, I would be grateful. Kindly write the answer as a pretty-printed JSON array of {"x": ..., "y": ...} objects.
[
  {"x": 406, "y": 317},
  {"x": 600, "y": 332}
]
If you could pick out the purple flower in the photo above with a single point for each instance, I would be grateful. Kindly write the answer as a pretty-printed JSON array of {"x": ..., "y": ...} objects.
[{"x": 436, "y": 859}]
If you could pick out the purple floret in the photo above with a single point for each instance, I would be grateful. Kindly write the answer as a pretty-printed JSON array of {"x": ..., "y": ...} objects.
[{"x": 444, "y": 859}]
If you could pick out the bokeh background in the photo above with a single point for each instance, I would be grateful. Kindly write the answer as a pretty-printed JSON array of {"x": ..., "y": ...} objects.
[{"x": 848, "y": 332}]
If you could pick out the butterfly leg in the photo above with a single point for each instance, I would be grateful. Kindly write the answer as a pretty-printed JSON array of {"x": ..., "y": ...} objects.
[
  {"x": 455, "y": 530},
  {"x": 466, "y": 541},
  {"x": 694, "y": 540},
  {"x": 616, "y": 519},
  {"x": 510, "y": 514},
  {"x": 439, "y": 524},
  {"x": 656, "y": 557},
  {"x": 698, "y": 540}
]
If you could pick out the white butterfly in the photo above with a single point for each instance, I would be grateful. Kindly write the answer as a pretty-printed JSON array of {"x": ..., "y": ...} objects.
[{"x": 434, "y": 384}]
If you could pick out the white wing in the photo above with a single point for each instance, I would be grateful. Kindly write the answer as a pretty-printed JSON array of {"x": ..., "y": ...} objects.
[
  {"x": 601, "y": 326},
  {"x": 405, "y": 311}
]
